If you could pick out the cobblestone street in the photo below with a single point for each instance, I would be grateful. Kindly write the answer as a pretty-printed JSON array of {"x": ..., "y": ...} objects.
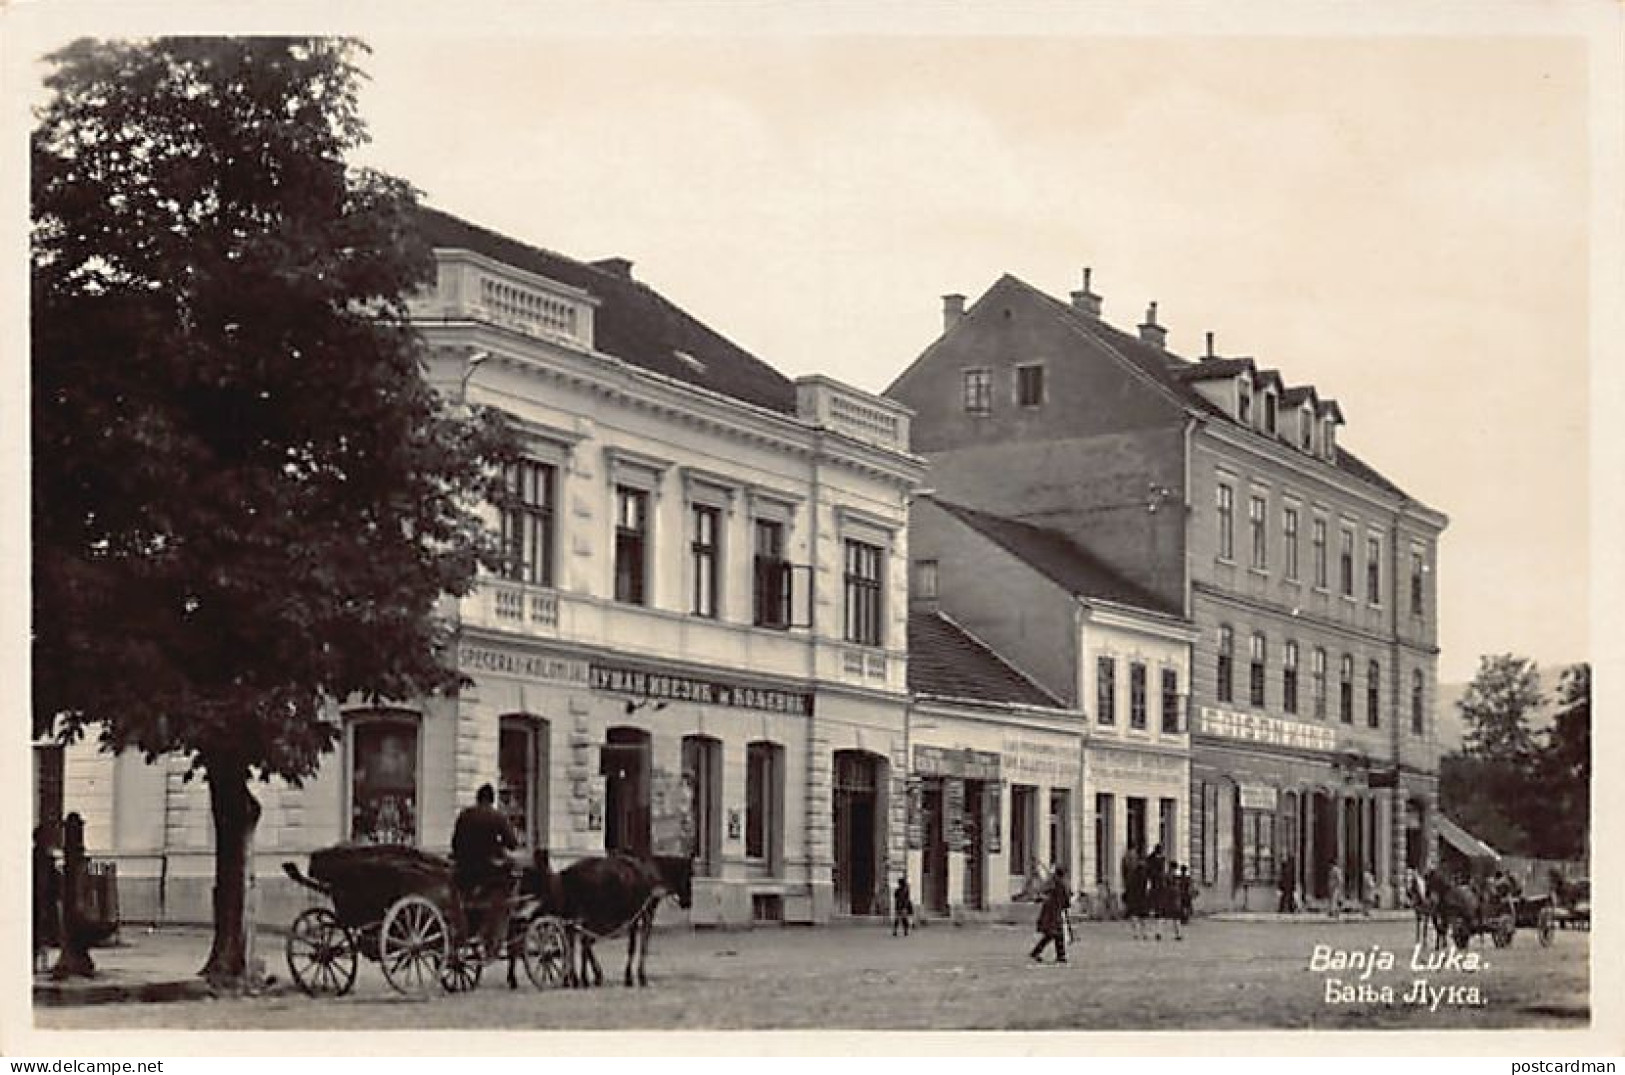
[{"x": 1223, "y": 975}]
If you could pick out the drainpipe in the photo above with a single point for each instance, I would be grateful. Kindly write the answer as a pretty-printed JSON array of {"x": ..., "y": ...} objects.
[{"x": 1185, "y": 537}]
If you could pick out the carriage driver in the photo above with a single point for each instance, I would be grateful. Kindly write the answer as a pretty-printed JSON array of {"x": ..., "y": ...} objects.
[{"x": 483, "y": 872}]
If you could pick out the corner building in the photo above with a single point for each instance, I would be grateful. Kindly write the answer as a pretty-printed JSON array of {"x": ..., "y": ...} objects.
[
  {"x": 696, "y": 645},
  {"x": 1219, "y": 487}
]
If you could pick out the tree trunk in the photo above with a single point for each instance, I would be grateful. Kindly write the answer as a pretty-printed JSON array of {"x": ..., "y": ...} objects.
[{"x": 231, "y": 965}]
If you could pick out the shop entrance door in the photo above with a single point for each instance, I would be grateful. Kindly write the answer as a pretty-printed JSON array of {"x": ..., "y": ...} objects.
[
  {"x": 1325, "y": 842},
  {"x": 624, "y": 764},
  {"x": 857, "y": 820},
  {"x": 934, "y": 860}
]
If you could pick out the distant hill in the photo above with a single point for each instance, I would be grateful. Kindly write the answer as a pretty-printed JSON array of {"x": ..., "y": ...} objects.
[{"x": 1451, "y": 728}]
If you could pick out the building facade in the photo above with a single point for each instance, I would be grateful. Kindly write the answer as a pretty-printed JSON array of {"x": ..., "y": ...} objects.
[
  {"x": 1218, "y": 488},
  {"x": 1113, "y": 657},
  {"x": 696, "y": 645}
]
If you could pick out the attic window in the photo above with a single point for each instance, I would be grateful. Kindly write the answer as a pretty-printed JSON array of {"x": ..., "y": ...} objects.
[
  {"x": 690, "y": 361},
  {"x": 1306, "y": 422},
  {"x": 1269, "y": 413},
  {"x": 1244, "y": 408}
]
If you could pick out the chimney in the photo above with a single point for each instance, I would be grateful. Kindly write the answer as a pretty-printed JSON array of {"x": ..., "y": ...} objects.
[
  {"x": 1151, "y": 332},
  {"x": 953, "y": 311},
  {"x": 1086, "y": 300},
  {"x": 621, "y": 267},
  {"x": 1210, "y": 355}
]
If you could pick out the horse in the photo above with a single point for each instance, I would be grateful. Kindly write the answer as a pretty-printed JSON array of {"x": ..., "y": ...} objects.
[
  {"x": 544, "y": 890},
  {"x": 620, "y": 891},
  {"x": 1416, "y": 897}
]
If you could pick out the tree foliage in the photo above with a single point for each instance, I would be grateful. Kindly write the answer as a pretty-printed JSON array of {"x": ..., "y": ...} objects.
[
  {"x": 1497, "y": 707},
  {"x": 247, "y": 501}
]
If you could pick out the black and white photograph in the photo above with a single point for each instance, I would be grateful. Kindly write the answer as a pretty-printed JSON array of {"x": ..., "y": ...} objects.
[{"x": 539, "y": 519}]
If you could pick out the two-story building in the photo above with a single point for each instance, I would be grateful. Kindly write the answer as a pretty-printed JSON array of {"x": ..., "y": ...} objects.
[
  {"x": 1222, "y": 490},
  {"x": 696, "y": 645},
  {"x": 1112, "y": 656}
]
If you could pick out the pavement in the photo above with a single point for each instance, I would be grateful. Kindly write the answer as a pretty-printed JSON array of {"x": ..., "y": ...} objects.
[{"x": 160, "y": 964}]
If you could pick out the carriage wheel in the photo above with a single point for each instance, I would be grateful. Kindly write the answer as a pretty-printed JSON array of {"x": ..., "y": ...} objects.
[
  {"x": 413, "y": 946},
  {"x": 462, "y": 971},
  {"x": 546, "y": 952},
  {"x": 321, "y": 954},
  {"x": 1547, "y": 925}
]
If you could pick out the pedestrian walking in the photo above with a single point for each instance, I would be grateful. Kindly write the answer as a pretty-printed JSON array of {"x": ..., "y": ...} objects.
[
  {"x": 902, "y": 907},
  {"x": 1052, "y": 918},
  {"x": 1187, "y": 895},
  {"x": 1334, "y": 886},
  {"x": 1288, "y": 886}
]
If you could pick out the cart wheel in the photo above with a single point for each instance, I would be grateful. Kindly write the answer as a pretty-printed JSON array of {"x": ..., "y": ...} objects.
[
  {"x": 462, "y": 971},
  {"x": 546, "y": 952},
  {"x": 1547, "y": 925},
  {"x": 321, "y": 954},
  {"x": 413, "y": 946}
]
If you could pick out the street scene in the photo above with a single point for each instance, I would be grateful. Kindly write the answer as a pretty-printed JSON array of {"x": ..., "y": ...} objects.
[
  {"x": 455, "y": 562},
  {"x": 1224, "y": 975}
]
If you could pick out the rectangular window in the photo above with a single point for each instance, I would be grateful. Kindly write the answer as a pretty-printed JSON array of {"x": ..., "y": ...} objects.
[
  {"x": 1030, "y": 386},
  {"x": 1319, "y": 543},
  {"x": 1345, "y": 692},
  {"x": 384, "y": 780},
  {"x": 1227, "y": 523},
  {"x": 631, "y": 545},
  {"x": 1168, "y": 827},
  {"x": 1256, "y": 509},
  {"x": 1416, "y": 702},
  {"x": 1227, "y": 654},
  {"x": 978, "y": 392},
  {"x": 1170, "y": 701},
  {"x": 1289, "y": 678},
  {"x": 772, "y": 589},
  {"x": 1106, "y": 690},
  {"x": 1319, "y": 674},
  {"x": 1023, "y": 829},
  {"x": 1136, "y": 817},
  {"x": 863, "y": 588},
  {"x": 1246, "y": 405},
  {"x": 707, "y": 527},
  {"x": 764, "y": 793},
  {"x": 1105, "y": 830},
  {"x": 1136, "y": 695},
  {"x": 527, "y": 522},
  {"x": 925, "y": 579},
  {"x": 1345, "y": 562},
  {"x": 1289, "y": 524},
  {"x": 1269, "y": 413},
  {"x": 1373, "y": 694},
  {"x": 1373, "y": 570},
  {"x": 1417, "y": 570},
  {"x": 521, "y": 778},
  {"x": 1255, "y": 678}
]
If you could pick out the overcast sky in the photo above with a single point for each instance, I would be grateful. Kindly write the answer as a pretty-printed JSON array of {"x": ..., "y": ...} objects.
[{"x": 1403, "y": 221}]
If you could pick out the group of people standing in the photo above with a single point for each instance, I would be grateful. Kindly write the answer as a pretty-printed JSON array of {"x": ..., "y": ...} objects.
[
  {"x": 1155, "y": 890},
  {"x": 1336, "y": 889}
]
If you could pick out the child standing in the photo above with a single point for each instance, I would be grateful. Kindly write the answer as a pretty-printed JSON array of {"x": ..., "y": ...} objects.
[{"x": 902, "y": 907}]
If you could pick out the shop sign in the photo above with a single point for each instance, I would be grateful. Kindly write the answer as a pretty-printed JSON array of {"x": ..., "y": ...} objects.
[
  {"x": 1257, "y": 797},
  {"x": 1141, "y": 766},
  {"x": 953, "y": 803},
  {"x": 533, "y": 666},
  {"x": 1257, "y": 728},
  {"x": 950, "y": 761},
  {"x": 1039, "y": 761},
  {"x": 668, "y": 687}
]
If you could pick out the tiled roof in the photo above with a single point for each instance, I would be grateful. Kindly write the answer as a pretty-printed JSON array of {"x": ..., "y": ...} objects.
[
  {"x": 633, "y": 322},
  {"x": 1059, "y": 558},
  {"x": 945, "y": 661},
  {"x": 1209, "y": 368},
  {"x": 1171, "y": 372}
]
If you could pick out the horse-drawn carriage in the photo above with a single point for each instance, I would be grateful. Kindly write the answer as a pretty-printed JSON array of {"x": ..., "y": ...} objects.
[{"x": 399, "y": 907}]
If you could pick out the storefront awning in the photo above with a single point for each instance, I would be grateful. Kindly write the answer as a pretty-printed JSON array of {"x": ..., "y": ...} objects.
[{"x": 1464, "y": 841}]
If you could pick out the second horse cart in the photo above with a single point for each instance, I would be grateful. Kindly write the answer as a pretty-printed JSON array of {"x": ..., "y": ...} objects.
[{"x": 398, "y": 907}]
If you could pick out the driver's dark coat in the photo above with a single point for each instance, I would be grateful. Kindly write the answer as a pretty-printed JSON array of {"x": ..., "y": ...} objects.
[{"x": 480, "y": 841}]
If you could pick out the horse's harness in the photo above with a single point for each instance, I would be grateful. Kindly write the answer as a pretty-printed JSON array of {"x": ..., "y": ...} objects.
[{"x": 654, "y": 898}]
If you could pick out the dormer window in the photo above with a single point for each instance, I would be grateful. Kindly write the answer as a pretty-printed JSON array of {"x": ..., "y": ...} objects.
[
  {"x": 1306, "y": 423},
  {"x": 1269, "y": 413},
  {"x": 1244, "y": 405},
  {"x": 1328, "y": 442}
]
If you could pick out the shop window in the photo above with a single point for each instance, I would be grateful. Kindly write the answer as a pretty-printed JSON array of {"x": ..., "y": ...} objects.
[
  {"x": 1168, "y": 828},
  {"x": 764, "y": 802},
  {"x": 702, "y": 776},
  {"x": 863, "y": 592},
  {"x": 1106, "y": 690},
  {"x": 1104, "y": 842},
  {"x": 623, "y": 762},
  {"x": 1170, "y": 701},
  {"x": 1136, "y": 695},
  {"x": 631, "y": 545},
  {"x": 1136, "y": 825},
  {"x": 527, "y": 522},
  {"x": 384, "y": 778},
  {"x": 1258, "y": 847},
  {"x": 1023, "y": 854},
  {"x": 1060, "y": 827},
  {"x": 522, "y": 754},
  {"x": 1227, "y": 655},
  {"x": 703, "y": 552}
]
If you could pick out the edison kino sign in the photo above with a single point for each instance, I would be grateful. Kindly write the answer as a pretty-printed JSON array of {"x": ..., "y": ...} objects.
[{"x": 1257, "y": 728}]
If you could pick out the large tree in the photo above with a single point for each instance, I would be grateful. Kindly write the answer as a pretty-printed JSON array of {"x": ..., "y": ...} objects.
[
  {"x": 1497, "y": 706},
  {"x": 247, "y": 502},
  {"x": 1564, "y": 769}
]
